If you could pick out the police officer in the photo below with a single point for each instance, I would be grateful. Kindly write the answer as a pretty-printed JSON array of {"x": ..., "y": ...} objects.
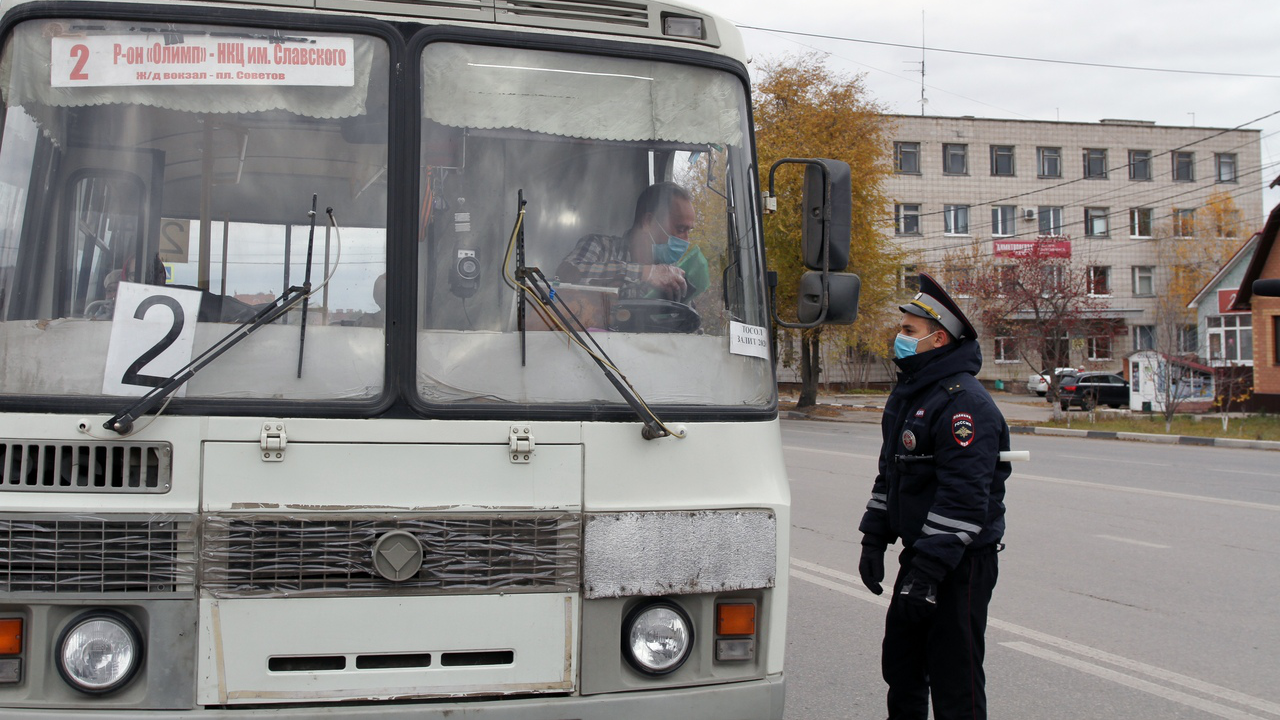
[{"x": 940, "y": 490}]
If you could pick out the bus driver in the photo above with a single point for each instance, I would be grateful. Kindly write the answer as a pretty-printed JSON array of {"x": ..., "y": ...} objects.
[{"x": 643, "y": 262}]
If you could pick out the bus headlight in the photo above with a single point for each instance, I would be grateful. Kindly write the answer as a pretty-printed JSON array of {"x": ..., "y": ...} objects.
[
  {"x": 657, "y": 638},
  {"x": 100, "y": 651}
]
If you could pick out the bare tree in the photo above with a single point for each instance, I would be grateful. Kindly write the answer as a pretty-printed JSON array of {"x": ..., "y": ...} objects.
[
  {"x": 1033, "y": 301},
  {"x": 1234, "y": 385}
]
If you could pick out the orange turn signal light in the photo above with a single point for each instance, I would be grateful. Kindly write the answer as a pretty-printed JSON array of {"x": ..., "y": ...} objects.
[
  {"x": 10, "y": 636},
  {"x": 736, "y": 619}
]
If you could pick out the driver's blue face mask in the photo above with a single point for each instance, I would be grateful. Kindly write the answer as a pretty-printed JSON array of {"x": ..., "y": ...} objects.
[
  {"x": 669, "y": 252},
  {"x": 904, "y": 346}
]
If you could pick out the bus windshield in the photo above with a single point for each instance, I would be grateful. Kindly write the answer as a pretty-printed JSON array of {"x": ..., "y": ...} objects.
[
  {"x": 579, "y": 138},
  {"x": 180, "y": 162}
]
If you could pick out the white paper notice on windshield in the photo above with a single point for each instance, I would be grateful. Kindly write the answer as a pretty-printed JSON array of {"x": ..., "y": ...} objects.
[
  {"x": 748, "y": 340},
  {"x": 120, "y": 60}
]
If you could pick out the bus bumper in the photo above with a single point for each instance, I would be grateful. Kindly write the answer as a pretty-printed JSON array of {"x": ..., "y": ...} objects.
[{"x": 750, "y": 700}]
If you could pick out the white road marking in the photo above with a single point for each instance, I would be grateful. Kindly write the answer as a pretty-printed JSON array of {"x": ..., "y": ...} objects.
[
  {"x": 1144, "y": 491},
  {"x": 831, "y": 452},
  {"x": 1133, "y": 542},
  {"x": 851, "y": 585},
  {"x": 1244, "y": 472},
  {"x": 1120, "y": 678},
  {"x": 1113, "y": 460}
]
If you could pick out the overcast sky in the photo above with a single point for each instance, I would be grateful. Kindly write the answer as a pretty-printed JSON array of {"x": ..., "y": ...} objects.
[{"x": 1226, "y": 36}]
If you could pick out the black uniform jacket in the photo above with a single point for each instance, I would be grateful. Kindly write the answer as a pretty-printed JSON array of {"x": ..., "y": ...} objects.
[{"x": 941, "y": 486}]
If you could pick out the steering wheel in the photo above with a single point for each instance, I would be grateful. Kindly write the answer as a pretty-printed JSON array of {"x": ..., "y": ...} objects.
[{"x": 653, "y": 315}]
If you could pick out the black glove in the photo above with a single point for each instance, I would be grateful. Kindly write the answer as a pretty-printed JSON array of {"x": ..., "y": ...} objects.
[
  {"x": 871, "y": 566},
  {"x": 918, "y": 598}
]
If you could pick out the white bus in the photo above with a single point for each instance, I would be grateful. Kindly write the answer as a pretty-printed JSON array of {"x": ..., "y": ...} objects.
[{"x": 297, "y": 419}]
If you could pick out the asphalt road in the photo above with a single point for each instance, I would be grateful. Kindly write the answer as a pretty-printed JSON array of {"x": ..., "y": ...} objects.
[{"x": 1139, "y": 581}]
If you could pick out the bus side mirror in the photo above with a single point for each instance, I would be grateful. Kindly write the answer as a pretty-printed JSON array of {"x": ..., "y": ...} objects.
[
  {"x": 827, "y": 295},
  {"x": 842, "y": 298},
  {"x": 824, "y": 234}
]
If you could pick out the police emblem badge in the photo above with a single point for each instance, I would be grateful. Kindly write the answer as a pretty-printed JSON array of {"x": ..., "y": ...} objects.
[
  {"x": 962, "y": 428},
  {"x": 908, "y": 440}
]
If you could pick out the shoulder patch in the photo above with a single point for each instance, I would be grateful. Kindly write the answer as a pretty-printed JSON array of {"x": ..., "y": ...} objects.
[{"x": 962, "y": 429}]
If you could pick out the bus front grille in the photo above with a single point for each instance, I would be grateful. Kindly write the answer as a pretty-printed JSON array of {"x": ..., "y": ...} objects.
[
  {"x": 68, "y": 554},
  {"x": 257, "y": 555},
  {"x": 50, "y": 466}
]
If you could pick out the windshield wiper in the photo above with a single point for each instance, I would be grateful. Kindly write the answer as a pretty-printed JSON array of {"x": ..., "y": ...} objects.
[
  {"x": 122, "y": 422},
  {"x": 532, "y": 280}
]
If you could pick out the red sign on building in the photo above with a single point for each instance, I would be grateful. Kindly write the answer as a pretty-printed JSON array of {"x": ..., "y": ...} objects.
[
  {"x": 1225, "y": 299},
  {"x": 1056, "y": 248}
]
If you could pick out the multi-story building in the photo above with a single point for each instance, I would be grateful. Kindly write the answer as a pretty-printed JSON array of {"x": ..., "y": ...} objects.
[{"x": 1110, "y": 196}]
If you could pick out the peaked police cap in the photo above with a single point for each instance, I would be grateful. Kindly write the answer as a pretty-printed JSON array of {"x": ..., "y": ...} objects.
[{"x": 934, "y": 303}]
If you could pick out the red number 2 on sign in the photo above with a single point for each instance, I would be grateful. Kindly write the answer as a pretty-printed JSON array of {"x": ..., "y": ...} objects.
[{"x": 81, "y": 54}]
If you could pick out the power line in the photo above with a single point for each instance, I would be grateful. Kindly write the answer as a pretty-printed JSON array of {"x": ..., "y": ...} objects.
[
  {"x": 1148, "y": 201},
  {"x": 1023, "y": 58}
]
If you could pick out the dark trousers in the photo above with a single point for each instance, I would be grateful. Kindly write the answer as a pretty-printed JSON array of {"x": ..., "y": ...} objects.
[{"x": 942, "y": 656}]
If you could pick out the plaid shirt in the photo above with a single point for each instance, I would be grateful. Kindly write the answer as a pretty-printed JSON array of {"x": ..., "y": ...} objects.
[{"x": 606, "y": 260}]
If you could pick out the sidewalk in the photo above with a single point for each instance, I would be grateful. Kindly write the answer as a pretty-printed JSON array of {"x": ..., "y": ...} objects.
[{"x": 1020, "y": 411}]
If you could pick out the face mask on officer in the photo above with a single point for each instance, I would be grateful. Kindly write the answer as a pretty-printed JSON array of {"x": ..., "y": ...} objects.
[{"x": 904, "y": 346}]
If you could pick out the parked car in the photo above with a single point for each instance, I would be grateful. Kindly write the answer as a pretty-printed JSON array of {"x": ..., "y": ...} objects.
[
  {"x": 1089, "y": 390},
  {"x": 1039, "y": 382}
]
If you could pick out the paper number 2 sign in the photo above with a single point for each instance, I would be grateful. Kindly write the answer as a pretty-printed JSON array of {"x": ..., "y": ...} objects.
[{"x": 152, "y": 335}]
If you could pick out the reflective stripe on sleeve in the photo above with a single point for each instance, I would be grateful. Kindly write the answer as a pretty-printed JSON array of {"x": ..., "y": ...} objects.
[
  {"x": 965, "y": 537},
  {"x": 946, "y": 522}
]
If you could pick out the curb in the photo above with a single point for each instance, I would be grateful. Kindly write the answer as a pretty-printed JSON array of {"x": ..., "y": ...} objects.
[{"x": 1148, "y": 437}]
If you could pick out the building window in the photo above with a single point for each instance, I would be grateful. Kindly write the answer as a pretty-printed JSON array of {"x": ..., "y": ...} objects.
[
  {"x": 1099, "y": 347},
  {"x": 1095, "y": 222},
  {"x": 960, "y": 280},
  {"x": 1230, "y": 338},
  {"x": 1144, "y": 281},
  {"x": 1227, "y": 225},
  {"x": 1006, "y": 349},
  {"x": 1184, "y": 223},
  {"x": 906, "y": 219},
  {"x": 1002, "y": 160},
  {"x": 1050, "y": 220},
  {"x": 1055, "y": 280},
  {"x": 1184, "y": 167},
  {"x": 1003, "y": 218},
  {"x": 1099, "y": 280},
  {"x": 1140, "y": 222},
  {"x": 956, "y": 219},
  {"x": 955, "y": 159},
  {"x": 1226, "y": 166},
  {"x": 1095, "y": 163},
  {"x": 1144, "y": 337},
  {"x": 1139, "y": 164},
  {"x": 1049, "y": 162},
  {"x": 1008, "y": 279},
  {"x": 1188, "y": 339},
  {"x": 910, "y": 278},
  {"x": 906, "y": 158}
]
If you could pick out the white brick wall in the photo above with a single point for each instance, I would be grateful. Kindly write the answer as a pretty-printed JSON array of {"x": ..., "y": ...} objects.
[{"x": 979, "y": 189}]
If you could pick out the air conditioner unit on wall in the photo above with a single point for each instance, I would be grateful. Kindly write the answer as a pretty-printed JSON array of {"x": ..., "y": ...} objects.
[{"x": 1028, "y": 213}]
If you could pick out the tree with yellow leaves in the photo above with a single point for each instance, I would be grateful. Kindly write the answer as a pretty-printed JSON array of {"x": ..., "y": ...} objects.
[
  {"x": 804, "y": 109},
  {"x": 1193, "y": 246}
]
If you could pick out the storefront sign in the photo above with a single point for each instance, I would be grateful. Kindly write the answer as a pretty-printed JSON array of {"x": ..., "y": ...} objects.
[
  {"x": 119, "y": 60},
  {"x": 1026, "y": 248}
]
